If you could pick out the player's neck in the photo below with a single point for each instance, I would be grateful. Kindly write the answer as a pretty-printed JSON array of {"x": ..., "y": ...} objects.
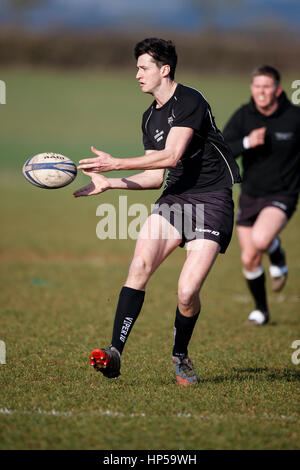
[{"x": 164, "y": 92}]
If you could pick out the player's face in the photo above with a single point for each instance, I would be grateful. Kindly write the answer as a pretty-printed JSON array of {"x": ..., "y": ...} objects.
[
  {"x": 148, "y": 74},
  {"x": 264, "y": 91}
]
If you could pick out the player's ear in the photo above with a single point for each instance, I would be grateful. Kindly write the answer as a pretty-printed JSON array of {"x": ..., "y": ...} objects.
[
  {"x": 165, "y": 70},
  {"x": 278, "y": 91}
]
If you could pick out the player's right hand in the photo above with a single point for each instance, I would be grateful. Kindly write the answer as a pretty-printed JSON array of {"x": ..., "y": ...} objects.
[
  {"x": 98, "y": 185},
  {"x": 257, "y": 137}
]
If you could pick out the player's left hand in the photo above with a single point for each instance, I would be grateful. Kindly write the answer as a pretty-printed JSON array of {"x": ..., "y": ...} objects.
[
  {"x": 98, "y": 184},
  {"x": 103, "y": 162}
]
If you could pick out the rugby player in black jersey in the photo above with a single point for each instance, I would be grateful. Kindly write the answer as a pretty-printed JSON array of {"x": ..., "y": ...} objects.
[
  {"x": 266, "y": 132},
  {"x": 180, "y": 136}
]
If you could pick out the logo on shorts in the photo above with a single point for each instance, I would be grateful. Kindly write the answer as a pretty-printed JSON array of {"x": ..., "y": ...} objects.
[
  {"x": 207, "y": 230},
  {"x": 280, "y": 205}
]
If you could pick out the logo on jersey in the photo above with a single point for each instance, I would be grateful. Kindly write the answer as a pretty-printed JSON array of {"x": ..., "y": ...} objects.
[
  {"x": 159, "y": 135},
  {"x": 284, "y": 135},
  {"x": 170, "y": 121}
]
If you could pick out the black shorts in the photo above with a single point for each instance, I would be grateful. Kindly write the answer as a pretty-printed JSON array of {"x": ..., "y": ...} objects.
[
  {"x": 250, "y": 207},
  {"x": 208, "y": 215}
]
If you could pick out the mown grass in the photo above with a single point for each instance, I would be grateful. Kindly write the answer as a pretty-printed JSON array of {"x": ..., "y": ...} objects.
[{"x": 60, "y": 283}]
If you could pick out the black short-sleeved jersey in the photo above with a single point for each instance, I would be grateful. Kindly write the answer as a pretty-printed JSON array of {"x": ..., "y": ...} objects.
[{"x": 207, "y": 164}]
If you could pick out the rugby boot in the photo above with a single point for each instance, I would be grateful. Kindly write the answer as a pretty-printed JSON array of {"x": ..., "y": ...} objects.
[
  {"x": 107, "y": 361},
  {"x": 258, "y": 318},
  {"x": 278, "y": 276},
  {"x": 184, "y": 370}
]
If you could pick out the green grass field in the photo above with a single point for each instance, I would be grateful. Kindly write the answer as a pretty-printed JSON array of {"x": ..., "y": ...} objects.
[{"x": 60, "y": 283}]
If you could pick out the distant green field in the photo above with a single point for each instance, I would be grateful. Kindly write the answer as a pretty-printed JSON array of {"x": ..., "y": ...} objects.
[{"x": 60, "y": 283}]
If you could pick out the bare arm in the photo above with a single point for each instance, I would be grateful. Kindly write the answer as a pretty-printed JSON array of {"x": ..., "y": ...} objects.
[
  {"x": 176, "y": 143},
  {"x": 149, "y": 179}
]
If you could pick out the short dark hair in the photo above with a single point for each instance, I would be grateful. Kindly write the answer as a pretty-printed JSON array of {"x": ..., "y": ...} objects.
[
  {"x": 268, "y": 71},
  {"x": 162, "y": 51}
]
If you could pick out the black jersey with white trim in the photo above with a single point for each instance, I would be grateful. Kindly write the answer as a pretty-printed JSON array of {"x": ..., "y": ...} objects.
[{"x": 207, "y": 164}]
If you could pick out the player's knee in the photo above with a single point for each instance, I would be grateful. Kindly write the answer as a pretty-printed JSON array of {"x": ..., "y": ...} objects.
[
  {"x": 140, "y": 267},
  {"x": 187, "y": 295},
  {"x": 250, "y": 259},
  {"x": 260, "y": 241}
]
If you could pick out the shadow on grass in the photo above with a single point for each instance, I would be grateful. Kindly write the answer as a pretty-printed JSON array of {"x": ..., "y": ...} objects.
[
  {"x": 254, "y": 373},
  {"x": 235, "y": 375}
]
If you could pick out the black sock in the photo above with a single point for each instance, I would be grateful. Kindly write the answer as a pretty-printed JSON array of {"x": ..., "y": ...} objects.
[
  {"x": 183, "y": 330},
  {"x": 128, "y": 309},
  {"x": 277, "y": 257},
  {"x": 258, "y": 290}
]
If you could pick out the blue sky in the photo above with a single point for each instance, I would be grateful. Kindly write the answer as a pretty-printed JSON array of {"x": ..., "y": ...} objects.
[{"x": 182, "y": 15}]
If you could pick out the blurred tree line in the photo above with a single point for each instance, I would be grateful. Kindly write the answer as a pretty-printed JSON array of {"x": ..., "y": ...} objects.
[{"x": 212, "y": 50}]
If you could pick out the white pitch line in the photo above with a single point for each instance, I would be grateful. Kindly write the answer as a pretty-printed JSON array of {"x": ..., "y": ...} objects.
[
  {"x": 115, "y": 414},
  {"x": 244, "y": 299}
]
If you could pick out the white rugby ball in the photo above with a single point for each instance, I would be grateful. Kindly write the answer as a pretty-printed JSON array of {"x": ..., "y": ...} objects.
[{"x": 49, "y": 170}]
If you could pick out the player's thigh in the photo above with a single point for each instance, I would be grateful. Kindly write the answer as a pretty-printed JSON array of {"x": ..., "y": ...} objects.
[
  {"x": 250, "y": 255},
  {"x": 157, "y": 239},
  {"x": 269, "y": 223},
  {"x": 201, "y": 255},
  {"x": 245, "y": 239}
]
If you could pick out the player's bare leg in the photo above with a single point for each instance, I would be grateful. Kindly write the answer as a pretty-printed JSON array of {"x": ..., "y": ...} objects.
[
  {"x": 157, "y": 239},
  {"x": 201, "y": 255},
  {"x": 254, "y": 241},
  {"x": 267, "y": 227},
  {"x": 254, "y": 274}
]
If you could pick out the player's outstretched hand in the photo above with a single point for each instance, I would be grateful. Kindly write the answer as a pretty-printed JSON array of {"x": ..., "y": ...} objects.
[
  {"x": 98, "y": 185},
  {"x": 103, "y": 162}
]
